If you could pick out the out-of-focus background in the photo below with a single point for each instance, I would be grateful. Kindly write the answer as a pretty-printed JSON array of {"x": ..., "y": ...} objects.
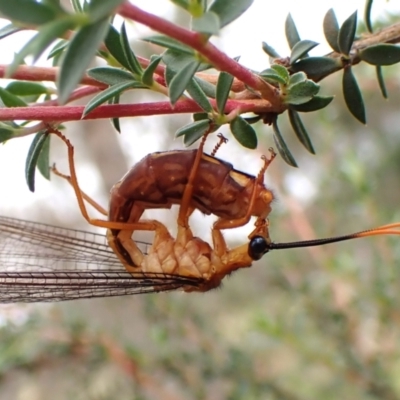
[{"x": 300, "y": 324}]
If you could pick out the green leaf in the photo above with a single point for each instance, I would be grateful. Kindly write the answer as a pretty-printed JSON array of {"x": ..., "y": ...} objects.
[
  {"x": 381, "y": 82},
  {"x": 99, "y": 9},
  {"x": 181, "y": 80},
  {"x": 181, "y": 3},
  {"x": 228, "y": 10},
  {"x": 316, "y": 103},
  {"x": 282, "y": 147},
  {"x": 244, "y": 133},
  {"x": 33, "y": 157},
  {"x": 11, "y": 100},
  {"x": 208, "y": 23},
  {"x": 301, "y": 92},
  {"x": 110, "y": 75},
  {"x": 297, "y": 77},
  {"x": 381, "y": 54},
  {"x": 114, "y": 46},
  {"x": 77, "y": 6},
  {"x": 272, "y": 76},
  {"x": 193, "y": 131},
  {"x": 208, "y": 88},
  {"x": 8, "y": 30},
  {"x": 292, "y": 36},
  {"x": 78, "y": 55},
  {"x": 367, "y": 16},
  {"x": 197, "y": 94},
  {"x": 347, "y": 33},
  {"x": 115, "y": 121},
  {"x": 58, "y": 48},
  {"x": 109, "y": 93},
  {"x": 169, "y": 43},
  {"x": 176, "y": 60},
  {"x": 26, "y": 88},
  {"x": 133, "y": 62},
  {"x": 43, "y": 162},
  {"x": 300, "y": 49},
  {"x": 28, "y": 12},
  {"x": 352, "y": 95},
  {"x": 331, "y": 30},
  {"x": 270, "y": 50},
  {"x": 300, "y": 130},
  {"x": 281, "y": 71},
  {"x": 317, "y": 67},
  {"x": 6, "y": 133},
  {"x": 39, "y": 43},
  {"x": 224, "y": 85},
  {"x": 147, "y": 77},
  {"x": 200, "y": 116}
]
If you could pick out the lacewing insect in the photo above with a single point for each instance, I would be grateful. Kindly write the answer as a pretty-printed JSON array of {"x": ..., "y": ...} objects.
[{"x": 46, "y": 263}]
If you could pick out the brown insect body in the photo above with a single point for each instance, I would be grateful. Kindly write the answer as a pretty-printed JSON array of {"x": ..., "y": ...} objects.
[{"x": 159, "y": 180}]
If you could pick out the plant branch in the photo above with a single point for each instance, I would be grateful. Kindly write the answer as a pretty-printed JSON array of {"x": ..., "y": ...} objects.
[
  {"x": 196, "y": 41},
  {"x": 74, "y": 113}
]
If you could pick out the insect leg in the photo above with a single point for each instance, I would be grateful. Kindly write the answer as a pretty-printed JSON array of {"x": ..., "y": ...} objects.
[
  {"x": 80, "y": 198},
  {"x": 185, "y": 210},
  {"x": 234, "y": 223}
]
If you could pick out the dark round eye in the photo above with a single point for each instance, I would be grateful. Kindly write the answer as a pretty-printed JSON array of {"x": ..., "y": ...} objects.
[{"x": 258, "y": 246}]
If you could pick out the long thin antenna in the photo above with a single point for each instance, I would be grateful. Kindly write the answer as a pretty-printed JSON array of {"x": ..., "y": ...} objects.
[{"x": 389, "y": 229}]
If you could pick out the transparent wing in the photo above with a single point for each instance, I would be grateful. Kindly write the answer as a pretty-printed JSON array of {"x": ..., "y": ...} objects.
[{"x": 40, "y": 262}]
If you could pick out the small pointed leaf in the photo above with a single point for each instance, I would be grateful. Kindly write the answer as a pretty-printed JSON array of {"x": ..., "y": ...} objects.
[
  {"x": 228, "y": 11},
  {"x": 115, "y": 121},
  {"x": 110, "y": 75},
  {"x": 208, "y": 88},
  {"x": 197, "y": 94},
  {"x": 301, "y": 92},
  {"x": 79, "y": 54},
  {"x": 381, "y": 54},
  {"x": 352, "y": 95},
  {"x": 200, "y": 116},
  {"x": 176, "y": 61},
  {"x": 10, "y": 100},
  {"x": 114, "y": 46},
  {"x": 147, "y": 77},
  {"x": 197, "y": 126},
  {"x": 109, "y": 93},
  {"x": 271, "y": 76},
  {"x": 224, "y": 85},
  {"x": 282, "y": 147},
  {"x": 292, "y": 36},
  {"x": 27, "y": 12},
  {"x": 317, "y": 67},
  {"x": 347, "y": 33},
  {"x": 8, "y": 30},
  {"x": 281, "y": 71},
  {"x": 300, "y": 130},
  {"x": 244, "y": 133},
  {"x": 208, "y": 23},
  {"x": 316, "y": 103},
  {"x": 331, "y": 30},
  {"x": 297, "y": 78},
  {"x": 270, "y": 50},
  {"x": 133, "y": 62},
  {"x": 181, "y": 80},
  {"x": 99, "y": 9},
  {"x": 32, "y": 158},
  {"x": 382, "y": 86},
  {"x": 300, "y": 49},
  {"x": 367, "y": 15},
  {"x": 43, "y": 162},
  {"x": 26, "y": 88},
  {"x": 169, "y": 43}
]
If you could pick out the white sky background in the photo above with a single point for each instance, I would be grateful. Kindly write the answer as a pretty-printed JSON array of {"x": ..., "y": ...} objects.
[{"x": 243, "y": 37}]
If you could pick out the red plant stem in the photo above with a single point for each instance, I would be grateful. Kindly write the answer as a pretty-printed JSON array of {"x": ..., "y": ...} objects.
[
  {"x": 196, "y": 41},
  {"x": 74, "y": 113}
]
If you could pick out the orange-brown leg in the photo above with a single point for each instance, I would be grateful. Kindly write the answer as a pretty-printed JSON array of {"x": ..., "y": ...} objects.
[
  {"x": 234, "y": 223},
  {"x": 145, "y": 225},
  {"x": 185, "y": 209}
]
